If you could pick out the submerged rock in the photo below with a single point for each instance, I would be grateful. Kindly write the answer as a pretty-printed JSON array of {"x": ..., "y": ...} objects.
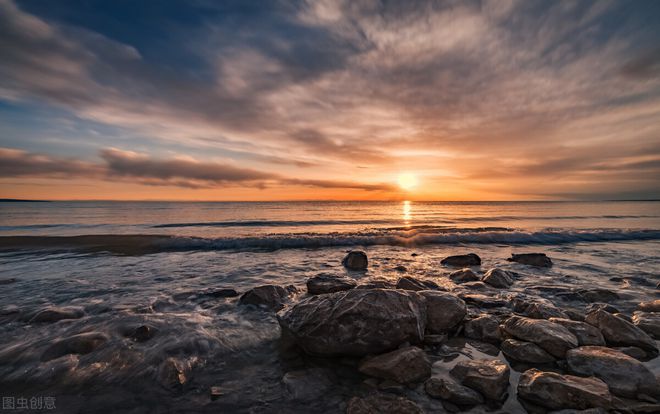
[
  {"x": 356, "y": 322},
  {"x": 555, "y": 391},
  {"x": 619, "y": 332},
  {"x": 410, "y": 283},
  {"x": 382, "y": 403},
  {"x": 306, "y": 384},
  {"x": 405, "y": 365},
  {"x": 269, "y": 296},
  {"x": 597, "y": 295},
  {"x": 377, "y": 284},
  {"x": 531, "y": 259},
  {"x": 482, "y": 301},
  {"x": 443, "y": 311},
  {"x": 446, "y": 388},
  {"x": 525, "y": 352},
  {"x": 355, "y": 260},
  {"x": 173, "y": 373},
  {"x": 462, "y": 260},
  {"x": 552, "y": 337},
  {"x": 464, "y": 275},
  {"x": 650, "y": 306},
  {"x": 649, "y": 322},
  {"x": 585, "y": 333},
  {"x": 142, "y": 333},
  {"x": 80, "y": 344},
  {"x": 54, "y": 314},
  {"x": 324, "y": 283},
  {"x": 484, "y": 328},
  {"x": 498, "y": 278},
  {"x": 488, "y": 376}
]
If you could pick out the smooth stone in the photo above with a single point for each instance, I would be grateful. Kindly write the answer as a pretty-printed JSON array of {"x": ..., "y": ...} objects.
[
  {"x": 355, "y": 260},
  {"x": 478, "y": 285},
  {"x": 405, "y": 365},
  {"x": 649, "y": 322},
  {"x": 443, "y": 311},
  {"x": 271, "y": 297},
  {"x": 410, "y": 283},
  {"x": 324, "y": 283},
  {"x": 482, "y": 301},
  {"x": 552, "y": 337},
  {"x": 498, "y": 278},
  {"x": 619, "y": 332},
  {"x": 382, "y": 403},
  {"x": 555, "y": 391},
  {"x": 624, "y": 375},
  {"x": 447, "y": 388},
  {"x": 602, "y": 306},
  {"x": 54, "y": 314},
  {"x": 306, "y": 384},
  {"x": 597, "y": 295},
  {"x": 531, "y": 259},
  {"x": 585, "y": 333},
  {"x": 650, "y": 306},
  {"x": 537, "y": 310},
  {"x": 464, "y": 275},
  {"x": 525, "y": 352},
  {"x": 632, "y": 351},
  {"x": 80, "y": 344},
  {"x": 377, "y": 284},
  {"x": 484, "y": 328},
  {"x": 356, "y": 322},
  {"x": 173, "y": 373},
  {"x": 490, "y": 377},
  {"x": 462, "y": 260}
]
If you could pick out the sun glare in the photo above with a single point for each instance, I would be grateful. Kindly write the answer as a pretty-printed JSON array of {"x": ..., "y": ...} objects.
[{"x": 407, "y": 181}]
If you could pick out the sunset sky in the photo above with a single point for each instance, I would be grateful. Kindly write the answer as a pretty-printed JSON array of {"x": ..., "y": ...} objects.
[{"x": 283, "y": 100}]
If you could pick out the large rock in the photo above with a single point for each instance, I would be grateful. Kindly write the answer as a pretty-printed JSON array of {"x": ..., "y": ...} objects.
[
  {"x": 325, "y": 283},
  {"x": 619, "y": 332},
  {"x": 269, "y": 296},
  {"x": 54, "y": 314},
  {"x": 585, "y": 333},
  {"x": 356, "y": 322},
  {"x": 410, "y": 283},
  {"x": 405, "y": 365},
  {"x": 80, "y": 344},
  {"x": 355, "y": 260},
  {"x": 484, "y": 328},
  {"x": 624, "y": 375},
  {"x": 650, "y": 306},
  {"x": 464, "y": 275},
  {"x": 443, "y": 311},
  {"x": 525, "y": 352},
  {"x": 531, "y": 259},
  {"x": 488, "y": 376},
  {"x": 498, "y": 278},
  {"x": 552, "y": 337},
  {"x": 462, "y": 260},
  {"x": 555, "y": 391},
  {"x": 382, "y": 403},
  {"x": 537, "y": 308},
  {"x": 446, "y": 388},
  {"x": 649, "y": 322}
]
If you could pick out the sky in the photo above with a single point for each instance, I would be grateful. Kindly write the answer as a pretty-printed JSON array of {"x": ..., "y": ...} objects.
[{"x": 330, "y": 99}]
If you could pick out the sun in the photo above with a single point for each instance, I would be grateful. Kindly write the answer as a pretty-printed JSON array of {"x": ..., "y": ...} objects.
[{"x": 407, "y": 181}]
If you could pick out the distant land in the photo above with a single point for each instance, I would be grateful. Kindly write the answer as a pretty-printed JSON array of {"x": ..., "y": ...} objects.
[{"x": 16, "y": 200}]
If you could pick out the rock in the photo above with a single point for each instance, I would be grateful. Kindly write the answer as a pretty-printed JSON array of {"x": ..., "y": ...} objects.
[
  {"x": 525, "y": 352},
  {"x": 482, "y": 301},
  {"x": 377, "y": 284},
  {"x": 498, "y": 278},
  {"x": 54, "y": 314},
  {"x": 446, "y": 388},
  {"x": 434, "y": 340},
  {"x": 602, "y": 306},
  {"x": 142, "y": 333},
  {"x": 623, "y": 316},
  {"x": 537, "y": 308},
  {"x": 488, "y": 376},
  {"x": 355, "y": 260},
  {"x": 597, "y": 295},
  {"x": 462, "y": 260},
  {"x": 484, "y": 328},
  {"x": 585, "y": 333},
  {"x": 624, "y": 375},
  {"x": 173, "y": 373},
  {"x": 306, "y": 384},
  {"x": 220, "y": 293},
  {"x": 650, "y": 306},
  {"x": 80, "y": 344},
  {"x": 271, "y": 297},
  {"x": 464, "y": 275},
  {"x": 400, "y": 268},
  {"x": 356, "y": 322},
  {"x": 619, "y": 332},
  {"x": 632, "y": 351},
  {"x": 552, "y": 337},
  {"x": 325, "y": 283},
  {"x": 405, "y": 365},
  {"x": 479, "y": 285},
  {"x": 649, "y": 322},
  {"x": 382, "y": 403},
  {"x": 531, "y": 259},
  {"x": 443, "y": 311},
  {"x": 555, "y": 391},
  {"x": 410, "y": 283}
]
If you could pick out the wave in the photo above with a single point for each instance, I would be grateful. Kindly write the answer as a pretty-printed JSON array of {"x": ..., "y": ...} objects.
[
  {"x": 145, "y": 243},
  {"x": 274, "y": 223}
]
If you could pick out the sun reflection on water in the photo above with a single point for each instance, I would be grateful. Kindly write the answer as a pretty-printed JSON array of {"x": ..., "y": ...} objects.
[{"x": 407, "y": 212}]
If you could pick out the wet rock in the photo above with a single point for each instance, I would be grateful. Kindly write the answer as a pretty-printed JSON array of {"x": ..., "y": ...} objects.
[
  {"x": 307, "y": 384},
  {"x": 585, "y": 333},
  {"x": 552, "y": 337},
  {"x": 623, "y": 316},
  {"x": 525, "y": 352},
  {"x": 619, "y": 332},
  {"x": 484, "y": 328},
  {"x": 405, "y": 365},
  {"x": 650, "y": 306},
  {"x": 490, "y": 377},
  {"x": 355, "y": 260},
  {"x": 435, "y": 339},
  {"x": 479, "y": 285},
  {"x": 602, "y": 306},
  {"x": 462, "y": 260},
  {"x": 531, "y": 259},
  {"x": 220, "y": 293},
  {"x": 377, "y": 284},
  {"x": 54, "y": 314},
  {"x": 482, "y": 301},
  {"x": 443, "y": 311},
  {"x": 356, "y": 322},
  {"x": 537, "y": 309},
  {"x": 142, "y": 333},
  {"x": 324, "y": 283},
  {"x": 498, "y": 278},
  {"x": 632, "y": 351},
  {"x": 401, "y": 268},
  {"x": 446, "y": 388},
  {"x": 80, "y": 344},
  {"x": 574, "y": 315},
  {"x": 624, "y": 375},
  {"x": 382, "y": 403},
  {"x": 555, "y": 391},
  {"x": 410, "y": 283},
  {"x": 649, "y": 322},
  {"x": 597, "y": 295},
  {"x": 464, "y": 275},
  {"x": 271, "y": 297},
  {"x": 173, "y": 373}
]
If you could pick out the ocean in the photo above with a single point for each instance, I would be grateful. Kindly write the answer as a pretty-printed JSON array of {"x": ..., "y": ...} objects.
[{"x": 122, "y": 264}]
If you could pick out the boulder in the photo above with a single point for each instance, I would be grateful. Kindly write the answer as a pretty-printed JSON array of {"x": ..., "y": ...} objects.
[
  {"x": 268, "y": 296},
  {"x": 306, "y": 384},
  {"x": 410, "y": 283},
  {"x": 525, "y": 352},
  {"x": 619, "y": 332},
  {"x": 650, "y": 306},
  {"x": 483, "y": 328},
  {"x": 356, "y": 322},
  {"x": 54, "y": 314},
  {"x": 355, "y": 260},
  {"x": 80, "y": 344},
  {"x": 446, "y": 388},
  {"x": 462, "y": 260},
  {"x": 405, "y": 365},
  {"x": 555, "y": 391},
  {"x": 490, "y": 377},
  {"x": 649, "y": 322},
  {"x": 585, "y": 333},
  {"x": 443, "y": 311},
  {"x": 325, "y": 283},
  {"x": 531, "y": 259},
  {"x": 624, "y": 375},
  {"x": 498, "y": 278},
  {"x": 552, "y": 337},
  {"x": 382, "y": 403},
  {"x": 464, "y": 275},
  {"x": 536, "y": 308}
]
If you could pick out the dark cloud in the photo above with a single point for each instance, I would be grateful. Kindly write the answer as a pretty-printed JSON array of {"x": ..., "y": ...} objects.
[
  {"x": 16, "y": 163},
  {"x": 646, "y": 65}
]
